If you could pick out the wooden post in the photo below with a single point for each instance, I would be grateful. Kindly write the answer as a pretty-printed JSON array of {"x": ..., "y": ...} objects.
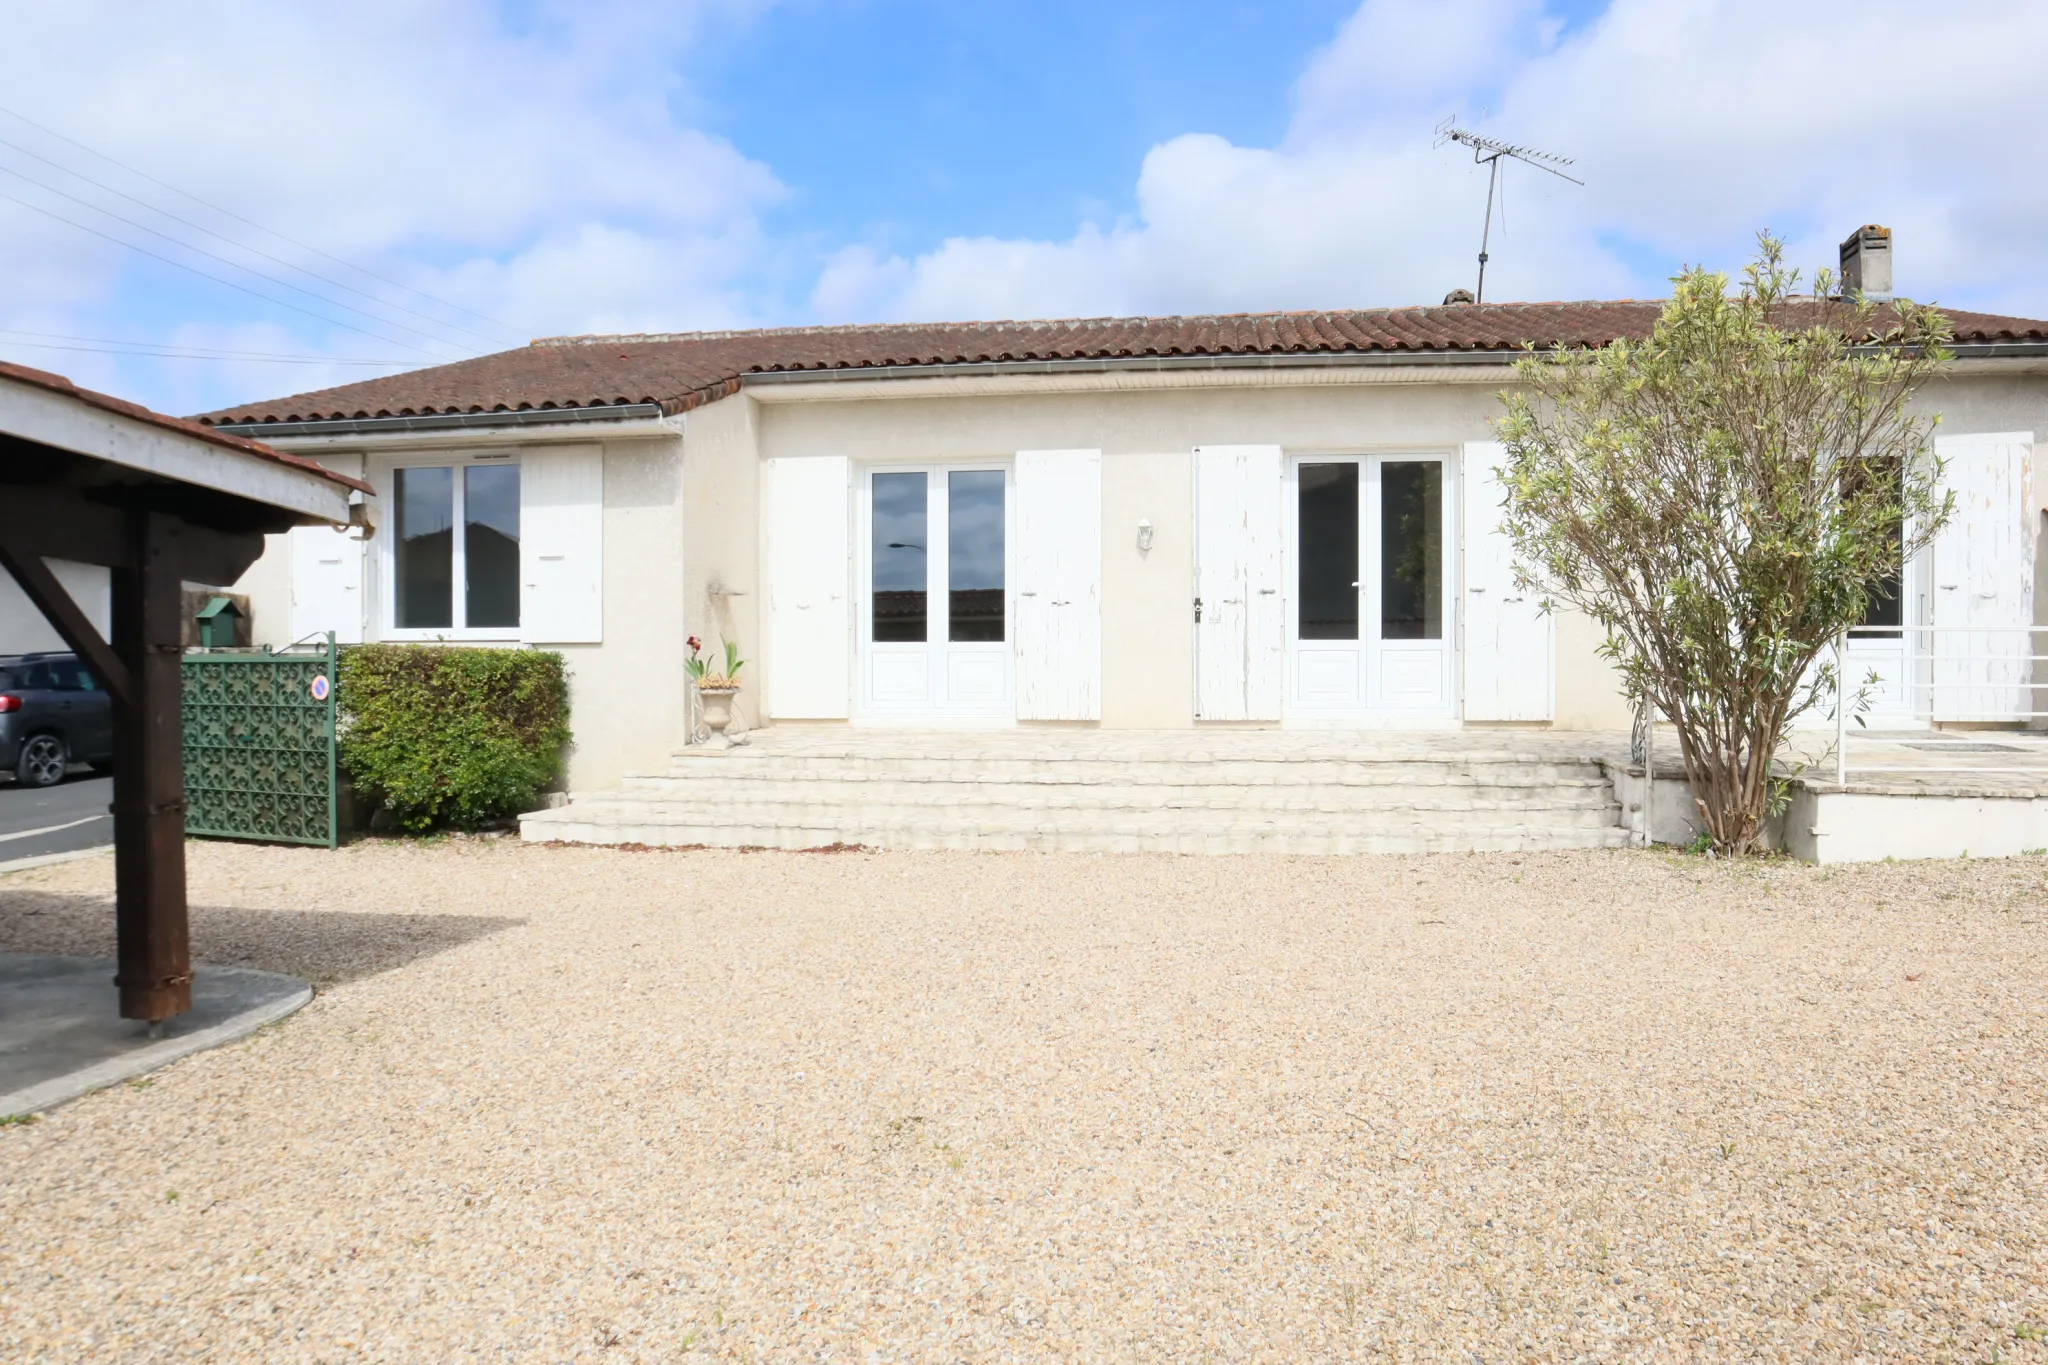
[{"x": 154, "y": 971}]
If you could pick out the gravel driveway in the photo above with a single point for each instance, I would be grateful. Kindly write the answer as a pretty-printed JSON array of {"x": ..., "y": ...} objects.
[{"x": 560, "y": 1103}]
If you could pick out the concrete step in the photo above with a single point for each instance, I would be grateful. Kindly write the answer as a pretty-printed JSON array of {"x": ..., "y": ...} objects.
[
  {"x": 732, "y": 784},
  {"x": 1167, "y": 772},
  {"x": 854, "y": 826},
  {"x": 1575, "y": 806},
  {"x": 1168, "y": 836},
  {"x": 1214, "y": 792}
]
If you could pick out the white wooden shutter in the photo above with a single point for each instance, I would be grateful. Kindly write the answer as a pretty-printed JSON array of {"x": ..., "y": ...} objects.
[
  {"x": 810, "y": 628},
  {"x": 1510, "y": 661},
  {"x": 1983, "y": 574},
  {"x": 1059, "y": 585},
  {"x": 1241, "y": 621},
  {"x": 561, "y": 545},
  {"x": 327, "y": 583}
]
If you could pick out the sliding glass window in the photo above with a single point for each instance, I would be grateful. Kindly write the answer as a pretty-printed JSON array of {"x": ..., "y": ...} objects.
[{"x": 444, "y": 582}]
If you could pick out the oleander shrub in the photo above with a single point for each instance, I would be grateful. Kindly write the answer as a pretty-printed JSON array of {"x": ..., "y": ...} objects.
[
  {"x": 1726, "y": 497},
  {"x": 441, "y": 735}
]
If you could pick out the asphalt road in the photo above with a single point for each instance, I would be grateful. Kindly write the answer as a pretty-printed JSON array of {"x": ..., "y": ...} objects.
[{"x": 70, "y": 815}]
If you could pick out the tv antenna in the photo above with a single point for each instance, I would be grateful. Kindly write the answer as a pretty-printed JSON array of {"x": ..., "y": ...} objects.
[{"x": 1489, "y": 152}]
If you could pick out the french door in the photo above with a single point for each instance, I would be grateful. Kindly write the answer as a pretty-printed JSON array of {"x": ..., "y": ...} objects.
[
  {"x": 934, "y": 616},
  {"x": 1370, "y": 630}
]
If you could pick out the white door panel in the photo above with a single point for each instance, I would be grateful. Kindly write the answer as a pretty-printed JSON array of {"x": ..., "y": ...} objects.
[
  {"x": 1983, "y": 579},
  {"x": 561, "y": 545},
  {"x": 1411, "y": 679},
  {"x": 975, "y": 679},
  {"x": 899, "y": 677},
  {"x": 936, "y": 615},
  {"x": 327, "y": 584},
  {"x": 1369, "y": 612},
  {"x": 1329, "y": 677},
  {"x": 1510, "y": 652},
  {"x": 1241, "y": 614},
  {"x": 807, "y": 513},
  {"x": 1059, "y": 585}
]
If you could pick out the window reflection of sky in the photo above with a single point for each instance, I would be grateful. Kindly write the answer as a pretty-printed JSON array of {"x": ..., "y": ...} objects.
[
  {"x": 974, "y": 534},
  {"x": 900, "y": 543},
  {"x": 490, "y": 497},
  {"x": 426, "y": 501}
]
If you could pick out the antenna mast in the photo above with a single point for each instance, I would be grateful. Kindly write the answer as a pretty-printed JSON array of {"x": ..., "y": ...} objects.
[{"x": 1488, "y": 152}]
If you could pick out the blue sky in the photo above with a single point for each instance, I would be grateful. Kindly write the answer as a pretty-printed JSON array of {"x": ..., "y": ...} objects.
[{"x": 623, "y": 165}]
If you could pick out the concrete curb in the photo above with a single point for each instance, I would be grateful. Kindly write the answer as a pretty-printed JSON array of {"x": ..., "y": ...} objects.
[
  {"x": 46, "y": 859},
  {"x": 60, "y": 1089}
]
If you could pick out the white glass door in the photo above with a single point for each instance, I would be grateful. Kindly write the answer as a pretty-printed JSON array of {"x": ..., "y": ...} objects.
[
  {"x": 1369, "y": 624},
  {"x": 1887, "y": 661},
  {"x": 934, "y": 612}
]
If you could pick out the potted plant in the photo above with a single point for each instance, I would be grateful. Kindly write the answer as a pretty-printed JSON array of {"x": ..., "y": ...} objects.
[{"x": 715, "y": 689}]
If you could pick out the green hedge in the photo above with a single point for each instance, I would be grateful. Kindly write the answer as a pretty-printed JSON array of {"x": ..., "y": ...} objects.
[{"x": 441, "y": 735}]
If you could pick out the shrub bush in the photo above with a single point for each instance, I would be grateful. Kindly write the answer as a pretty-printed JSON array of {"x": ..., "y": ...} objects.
[{"x": 442, "y": 735}]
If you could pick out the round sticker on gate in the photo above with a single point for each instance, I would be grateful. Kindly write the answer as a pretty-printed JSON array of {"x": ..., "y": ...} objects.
[{"x": 319, "y": 687}]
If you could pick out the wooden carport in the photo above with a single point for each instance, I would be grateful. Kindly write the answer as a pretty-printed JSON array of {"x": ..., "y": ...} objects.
[{"x": 158, "y": 501}]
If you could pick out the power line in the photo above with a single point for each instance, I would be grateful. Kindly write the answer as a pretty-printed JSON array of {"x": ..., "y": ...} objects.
[
  {"x": 201, "y": 227},
  {"x": 237, "y": 265},
  {"x": 214, "y": 359},
  {"x": 216, "y": 352},
  {"x": 258, "y": 226},
  {"x": 208, "y": 275}
]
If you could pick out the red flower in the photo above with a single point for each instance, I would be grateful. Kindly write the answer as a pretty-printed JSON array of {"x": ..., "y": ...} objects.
[{"x": 695, "y": 644}]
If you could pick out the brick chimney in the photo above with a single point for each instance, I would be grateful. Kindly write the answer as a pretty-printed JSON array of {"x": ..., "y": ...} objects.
[{"x": 1867, "y": 263}]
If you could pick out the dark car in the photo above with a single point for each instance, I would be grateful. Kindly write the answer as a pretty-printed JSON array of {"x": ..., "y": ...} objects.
[{"x": 52, "y": 714}]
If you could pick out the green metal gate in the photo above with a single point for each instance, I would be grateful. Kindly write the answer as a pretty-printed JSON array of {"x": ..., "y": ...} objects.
[{"x": 259, "y": 745}]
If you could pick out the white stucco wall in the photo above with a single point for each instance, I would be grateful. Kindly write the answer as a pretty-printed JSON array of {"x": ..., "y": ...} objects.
[
  {"x": 722, "y": 509},
  {"x": 1147, "y": 436},
  {"x": 625, "y": 693},
  {"x": 682, "y": 516},
  {"x": 22, "y": 627},
  {"x": 1148, "y": 641}
]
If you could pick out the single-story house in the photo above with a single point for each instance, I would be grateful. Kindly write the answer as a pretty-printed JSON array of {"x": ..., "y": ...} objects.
[{"x": 1266, "y": 520}]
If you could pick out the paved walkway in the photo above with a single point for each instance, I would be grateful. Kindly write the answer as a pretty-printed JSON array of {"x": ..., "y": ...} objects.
[
  {"x": 61, "y": 1034},
  {"x": 2012, "y": 763}
]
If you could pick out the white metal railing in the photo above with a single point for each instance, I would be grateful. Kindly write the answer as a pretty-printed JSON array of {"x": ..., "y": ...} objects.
[{"x": 1940, "y": 674}]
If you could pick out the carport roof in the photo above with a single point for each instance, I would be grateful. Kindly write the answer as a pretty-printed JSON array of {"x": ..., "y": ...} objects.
[
  {"x": 197, "y": 430},
  {"x": 674, "y": 372}
]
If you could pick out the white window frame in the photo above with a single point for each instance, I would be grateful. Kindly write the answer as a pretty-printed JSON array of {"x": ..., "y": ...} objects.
[
  {"x": 1370, "y": 711},
  {"x": 387, "y": 555},
  {"x": 865, "y": 709}
]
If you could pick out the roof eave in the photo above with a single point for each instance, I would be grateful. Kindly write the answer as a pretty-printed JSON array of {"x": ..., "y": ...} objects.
[
  {"x": 447, "y": 421},
  {"x": 1292, "y": 360}
]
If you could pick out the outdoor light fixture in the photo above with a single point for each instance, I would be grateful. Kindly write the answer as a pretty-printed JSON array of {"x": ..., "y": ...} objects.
[{"x": 1144, "y": 535}]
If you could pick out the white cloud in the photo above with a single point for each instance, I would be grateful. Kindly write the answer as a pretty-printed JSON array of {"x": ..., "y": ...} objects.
[
  {"x": 543, "y": 170},
  {"x": 533, "y": 174},
  {"x": 1694, "y": 123}
]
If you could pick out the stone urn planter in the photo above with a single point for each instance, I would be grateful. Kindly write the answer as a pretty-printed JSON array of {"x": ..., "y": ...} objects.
[
  {"x": 717, "y": 712},
  {"x": 716, "y": 687}
]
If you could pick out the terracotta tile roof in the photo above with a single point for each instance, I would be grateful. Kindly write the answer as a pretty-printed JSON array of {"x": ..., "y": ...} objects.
[
  {"x": 679, "y": 371},
  {"x": 57, "y": 383}
]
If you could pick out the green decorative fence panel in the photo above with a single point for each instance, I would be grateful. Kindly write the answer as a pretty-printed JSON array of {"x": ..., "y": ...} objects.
[{"x": 259, "y": 745}]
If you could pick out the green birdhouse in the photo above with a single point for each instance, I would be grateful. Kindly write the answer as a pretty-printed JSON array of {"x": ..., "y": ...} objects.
[{"x": 220, "y": 624}]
